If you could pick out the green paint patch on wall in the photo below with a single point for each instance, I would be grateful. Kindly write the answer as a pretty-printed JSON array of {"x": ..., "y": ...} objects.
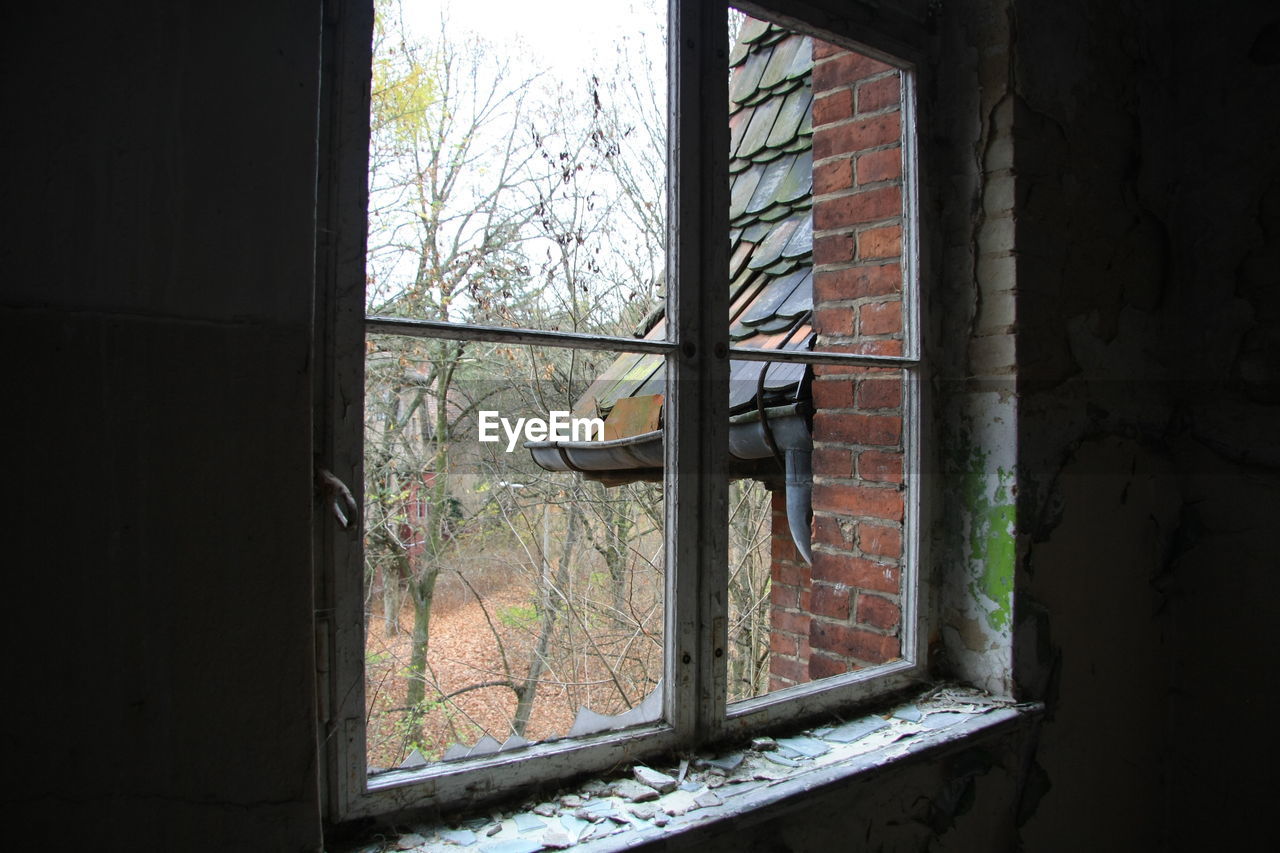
[{"x": 991, "y": 535}]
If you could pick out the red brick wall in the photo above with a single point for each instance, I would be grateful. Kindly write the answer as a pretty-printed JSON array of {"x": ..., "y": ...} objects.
[{"x": 844, "y": 612}]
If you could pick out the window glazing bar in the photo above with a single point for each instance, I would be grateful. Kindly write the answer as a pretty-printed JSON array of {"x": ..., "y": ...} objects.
[
  {"x": 807, "y": 357},
  {"x": 511, "y": 335}
]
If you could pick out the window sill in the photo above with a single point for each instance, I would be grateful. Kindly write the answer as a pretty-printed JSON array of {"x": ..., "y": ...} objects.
[{"x": 730, "y": 785}]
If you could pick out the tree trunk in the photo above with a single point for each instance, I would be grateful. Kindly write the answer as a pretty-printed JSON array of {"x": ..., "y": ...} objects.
[
  {"x": 550, "y": 606},
  {"x": 393, "y": 578},
  {"x": 423, "y": 587},
  {"x": 617, "y": 532},
  {"x": 423, "y": 591}
]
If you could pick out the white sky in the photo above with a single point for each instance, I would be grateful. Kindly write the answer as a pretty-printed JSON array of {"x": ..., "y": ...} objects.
[
  {"x": 560, "y": 36},
  {"x": 563, "y": 43}
]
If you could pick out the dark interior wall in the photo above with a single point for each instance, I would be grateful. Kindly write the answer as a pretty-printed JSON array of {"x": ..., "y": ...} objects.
[
  {"x": 155, "y": 317},
  {"x": 1099, "y": 500},
  {"x": 1149, "y": 436},
  {"x": 159, "y": 177},
  {"x": 1223, "y": 580}
]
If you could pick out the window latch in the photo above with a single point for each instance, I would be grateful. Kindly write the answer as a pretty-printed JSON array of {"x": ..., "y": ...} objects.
[{"x": 339, "y": 497}]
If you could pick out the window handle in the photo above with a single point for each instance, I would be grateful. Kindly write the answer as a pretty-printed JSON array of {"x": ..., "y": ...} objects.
[{"x": 340, "y": 499}]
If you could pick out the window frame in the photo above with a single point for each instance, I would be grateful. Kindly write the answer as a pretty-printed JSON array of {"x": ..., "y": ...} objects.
[{"x": 698, "y": 354}]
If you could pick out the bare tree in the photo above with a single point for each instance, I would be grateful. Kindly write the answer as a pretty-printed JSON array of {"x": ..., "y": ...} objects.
[
  {"x": 514, "y": 202},
  {"x": 445, "y": 226}
]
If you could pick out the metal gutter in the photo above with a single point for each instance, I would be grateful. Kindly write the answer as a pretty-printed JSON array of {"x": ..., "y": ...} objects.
[{"x": 783, "y": 430}]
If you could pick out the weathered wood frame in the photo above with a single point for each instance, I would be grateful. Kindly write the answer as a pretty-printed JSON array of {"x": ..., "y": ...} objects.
[{"x": 697, "y": 354}]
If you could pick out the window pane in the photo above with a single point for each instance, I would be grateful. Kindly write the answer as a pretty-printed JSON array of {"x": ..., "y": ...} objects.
[
  {"x": 818, "y": 452},
  {"x": 859, "y": 215},
  {"x": 509, "y": 597},
  {"x": 816, "y": 186},
  {"x": 818, "y": 531},
  {"x": 750, "y": 612},
  {"x": 517, "y": 171}
]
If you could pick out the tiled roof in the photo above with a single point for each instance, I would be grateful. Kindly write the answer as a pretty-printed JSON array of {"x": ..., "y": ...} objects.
[{"x": 771, "y": 227}]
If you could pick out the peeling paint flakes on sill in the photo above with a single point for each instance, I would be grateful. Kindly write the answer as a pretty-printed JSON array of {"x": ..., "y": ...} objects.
[{"x": 624, "y": 811}]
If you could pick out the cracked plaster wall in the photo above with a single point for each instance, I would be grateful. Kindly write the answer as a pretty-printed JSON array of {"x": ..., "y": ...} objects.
[
  {"x": 968, "y": 179},
  {"x": 1147, "y": 317}
]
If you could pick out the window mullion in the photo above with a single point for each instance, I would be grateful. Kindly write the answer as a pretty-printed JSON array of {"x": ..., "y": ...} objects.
[{"x": 698, "y": 372}]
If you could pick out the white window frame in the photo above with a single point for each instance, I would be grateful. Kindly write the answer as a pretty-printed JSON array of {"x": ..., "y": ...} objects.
[{"x": 697, "y": 356}]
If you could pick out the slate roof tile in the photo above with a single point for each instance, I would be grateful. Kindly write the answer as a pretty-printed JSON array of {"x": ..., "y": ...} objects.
[
  {"x": 753, "y": 30},
  {"x": 746, "y": 78},
  {"x": 791, "y": 112}
]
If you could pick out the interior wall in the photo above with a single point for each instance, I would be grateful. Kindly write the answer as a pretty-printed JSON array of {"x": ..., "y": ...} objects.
[
  {"x": 1223, "y": 189},
  {"x": 155, "y": 317},
  {"x": 159, "y": 176},
  {"x": 1148, "y": 375}
]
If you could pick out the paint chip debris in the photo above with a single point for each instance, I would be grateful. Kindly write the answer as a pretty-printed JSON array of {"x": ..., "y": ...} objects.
[
  {"x": 515, "y": 845},
  {"x": 634, "y": 792},
  {"x": 708, "y": 799},
  {"x": 460, "y": 837},
  {"x": 933, "y": 722},
  {"x": 528, "y": 823},
  {"x": 678, "y": 803},
  {"x": 652, "y": 800},
  {"x": 727, "y": 763},
  {"x": 855, "y": 730},
  {"x": 660, "y": 782},
  {"x": 806, "y": 746}
]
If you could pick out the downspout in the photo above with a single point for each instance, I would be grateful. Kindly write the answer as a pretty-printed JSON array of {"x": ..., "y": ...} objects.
[
  {"x": 799, "y": 497},
  {"x": 798, "y": 469}
]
